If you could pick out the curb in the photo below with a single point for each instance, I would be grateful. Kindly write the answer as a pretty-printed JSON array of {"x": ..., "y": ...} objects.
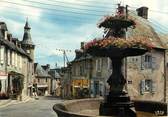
[{"x": 14, "y": 102}]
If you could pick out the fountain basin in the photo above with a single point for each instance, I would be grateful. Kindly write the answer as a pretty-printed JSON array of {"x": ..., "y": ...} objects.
[
  {"x": 90, "y": 108},
  {"x": 115, "y": 52}
]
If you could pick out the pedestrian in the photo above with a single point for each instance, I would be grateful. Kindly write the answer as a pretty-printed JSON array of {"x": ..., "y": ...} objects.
[{"x": 34, "y": 88}]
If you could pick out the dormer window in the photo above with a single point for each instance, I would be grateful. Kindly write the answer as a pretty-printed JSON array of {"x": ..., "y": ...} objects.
[
  {"x": 28, "y": 51},
  {"x": 5, "y": 35}
]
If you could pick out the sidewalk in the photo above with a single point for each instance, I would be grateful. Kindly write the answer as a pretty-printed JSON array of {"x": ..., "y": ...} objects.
[{"x": 4, "y": 103}]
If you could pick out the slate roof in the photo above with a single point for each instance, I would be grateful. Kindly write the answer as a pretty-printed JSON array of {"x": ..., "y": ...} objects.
[
  {"x": 164, "y": 39},
  {"x": 27, "y": 40},
  {"x": 13, "y": 47},
  {"x": 54, "y": 74},
  {"x": 144, "y": 29},
  {"x": 80, "y": 55},
  {"x": 40, "y": 72},
  {"x": 10, "y": 44}
]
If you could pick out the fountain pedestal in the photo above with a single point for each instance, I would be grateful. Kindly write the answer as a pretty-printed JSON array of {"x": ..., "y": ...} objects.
[{"x": 117, "y": 102}]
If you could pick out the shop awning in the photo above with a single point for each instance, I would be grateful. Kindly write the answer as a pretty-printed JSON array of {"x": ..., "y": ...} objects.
[
  {"x": 39, "y": 86},
  {"x": 16, "y": 73},
  {"x": 42, "y": 86},
  {"x": 3, "y": 77}
]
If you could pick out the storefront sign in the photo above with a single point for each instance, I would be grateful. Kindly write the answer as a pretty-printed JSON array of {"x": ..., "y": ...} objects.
[{"x": 81, "y": 83}]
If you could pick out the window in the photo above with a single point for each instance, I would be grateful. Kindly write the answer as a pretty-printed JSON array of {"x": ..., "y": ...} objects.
[
  {"x": 5, "y": 35},
  {"x": 16, "y": 59},
  {"x": 13, "y": 56},
  {"x": 81, "y": 70},
  {"x": 109, "y": 64},
  {"x": 98, "y": 64},
  {"x": 148, "y": 62},
  {"x": 147, "y": 85},
  {"x": 8, "y": 57},
  {"x": 46, "y": 80},
  {"x": 20, "y": 61},
  {"x": 2, "y": 53},
  {"x": 28, "y": 51}
]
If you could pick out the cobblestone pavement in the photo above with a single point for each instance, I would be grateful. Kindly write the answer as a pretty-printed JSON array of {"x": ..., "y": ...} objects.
[{"x": 36, "y": 108}]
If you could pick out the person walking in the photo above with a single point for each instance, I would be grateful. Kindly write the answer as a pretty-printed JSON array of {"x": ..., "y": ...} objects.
[{"x": 34, "y": 88}]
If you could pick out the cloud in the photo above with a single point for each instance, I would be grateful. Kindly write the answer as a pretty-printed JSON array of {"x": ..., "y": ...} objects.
[{"x": 19, "y": 7}]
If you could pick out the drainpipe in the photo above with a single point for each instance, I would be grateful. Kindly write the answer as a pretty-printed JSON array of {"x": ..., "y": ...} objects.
[
  {"x": 90, "y": 76},
  {"x": 6, "y": 72},
  {"x": 165, "y": 76}
]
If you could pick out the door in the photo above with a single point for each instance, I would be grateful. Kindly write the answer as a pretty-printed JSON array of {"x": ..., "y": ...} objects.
[{"x": 96, "y": 88}]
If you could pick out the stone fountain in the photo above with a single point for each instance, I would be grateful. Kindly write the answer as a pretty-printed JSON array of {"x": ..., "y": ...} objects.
[
  {"x": 117, "y": 47},
  {"x": 117, "y": 102}
]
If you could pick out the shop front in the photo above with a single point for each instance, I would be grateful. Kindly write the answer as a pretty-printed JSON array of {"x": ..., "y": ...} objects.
[
  {"x": 3, "y": 85},
  {"x": 15, "y": 85},
  {"x": 80, "y": 88}
]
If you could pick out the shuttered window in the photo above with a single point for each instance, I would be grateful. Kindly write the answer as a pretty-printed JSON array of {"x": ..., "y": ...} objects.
[
  {"x": 98, "y": 64},
  {"x": 8, "y": 57},
  {"x": 2, "y": 53},
  {"x": 13, "y": 58},
  {"x": 148, "y": 62},
  {"x": 109, "y": 64},
  {"x": 142, "y": 87},
  {"x": 147, "y": 85}
]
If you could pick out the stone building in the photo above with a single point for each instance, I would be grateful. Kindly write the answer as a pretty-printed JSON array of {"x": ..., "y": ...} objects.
[
  {"x": 16, "y": 68},
  {"x": 146, "y": 75},
  {"x": 55, "y": 82},
  {"x": 43, "y": 79}
]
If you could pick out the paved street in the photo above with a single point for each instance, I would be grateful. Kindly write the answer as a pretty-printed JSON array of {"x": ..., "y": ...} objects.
[{"x": 36, "y": 108}]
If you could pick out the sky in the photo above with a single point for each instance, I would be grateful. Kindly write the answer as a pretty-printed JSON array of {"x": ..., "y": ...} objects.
[{"x": 63, "y": 24}]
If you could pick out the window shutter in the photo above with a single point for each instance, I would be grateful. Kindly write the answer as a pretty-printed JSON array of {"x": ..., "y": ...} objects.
[
  {"x": 109, "y": 64},
  {"x": 96, "y": 65},
  {"x": 101, "y": 64},
  {"x": 142, "y": 87},
  {"x": 142, "y": 62},
  {"x": 153, "y": 87},
  {"x": 154, "y": 65}
]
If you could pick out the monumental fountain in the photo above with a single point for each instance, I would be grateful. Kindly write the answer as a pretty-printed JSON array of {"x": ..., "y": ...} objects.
[{"x": 117, "y": 47}]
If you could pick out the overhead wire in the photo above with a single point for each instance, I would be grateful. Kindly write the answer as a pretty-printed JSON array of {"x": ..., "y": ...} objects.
[
  {"x": 86, "y": 1},
  {"x": 151, "y": 10},
  {"x": 85, "y": 5},
  {"x": 72, "y": 20},
  {"x": 63, "y": 6},
  {"x": 11, "y": 8},
  {"x": 162, "y": 29},
  {"x": 158, "y": 27},
  {"x": 51, "y": 9}
]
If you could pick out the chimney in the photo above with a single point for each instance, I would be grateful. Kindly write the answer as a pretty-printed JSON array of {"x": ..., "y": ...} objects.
[
  {"x": 82, "y": 45},
  {"x": 142, "y": 12},
  {"x": 79, "y": 53},
  {"x": 48, "y": 66},
  {"x": 19, "y": 44},
  {"x": 10, "y": 37}
]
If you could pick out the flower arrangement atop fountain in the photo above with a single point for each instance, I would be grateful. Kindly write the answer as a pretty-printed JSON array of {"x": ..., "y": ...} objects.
[
  {"x": 139, "y": 42},
  {"x": 113, "y": 21}
]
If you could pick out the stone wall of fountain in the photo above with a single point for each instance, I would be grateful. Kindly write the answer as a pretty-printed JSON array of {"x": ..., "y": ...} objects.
[{"x": 90, "y": 108}]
